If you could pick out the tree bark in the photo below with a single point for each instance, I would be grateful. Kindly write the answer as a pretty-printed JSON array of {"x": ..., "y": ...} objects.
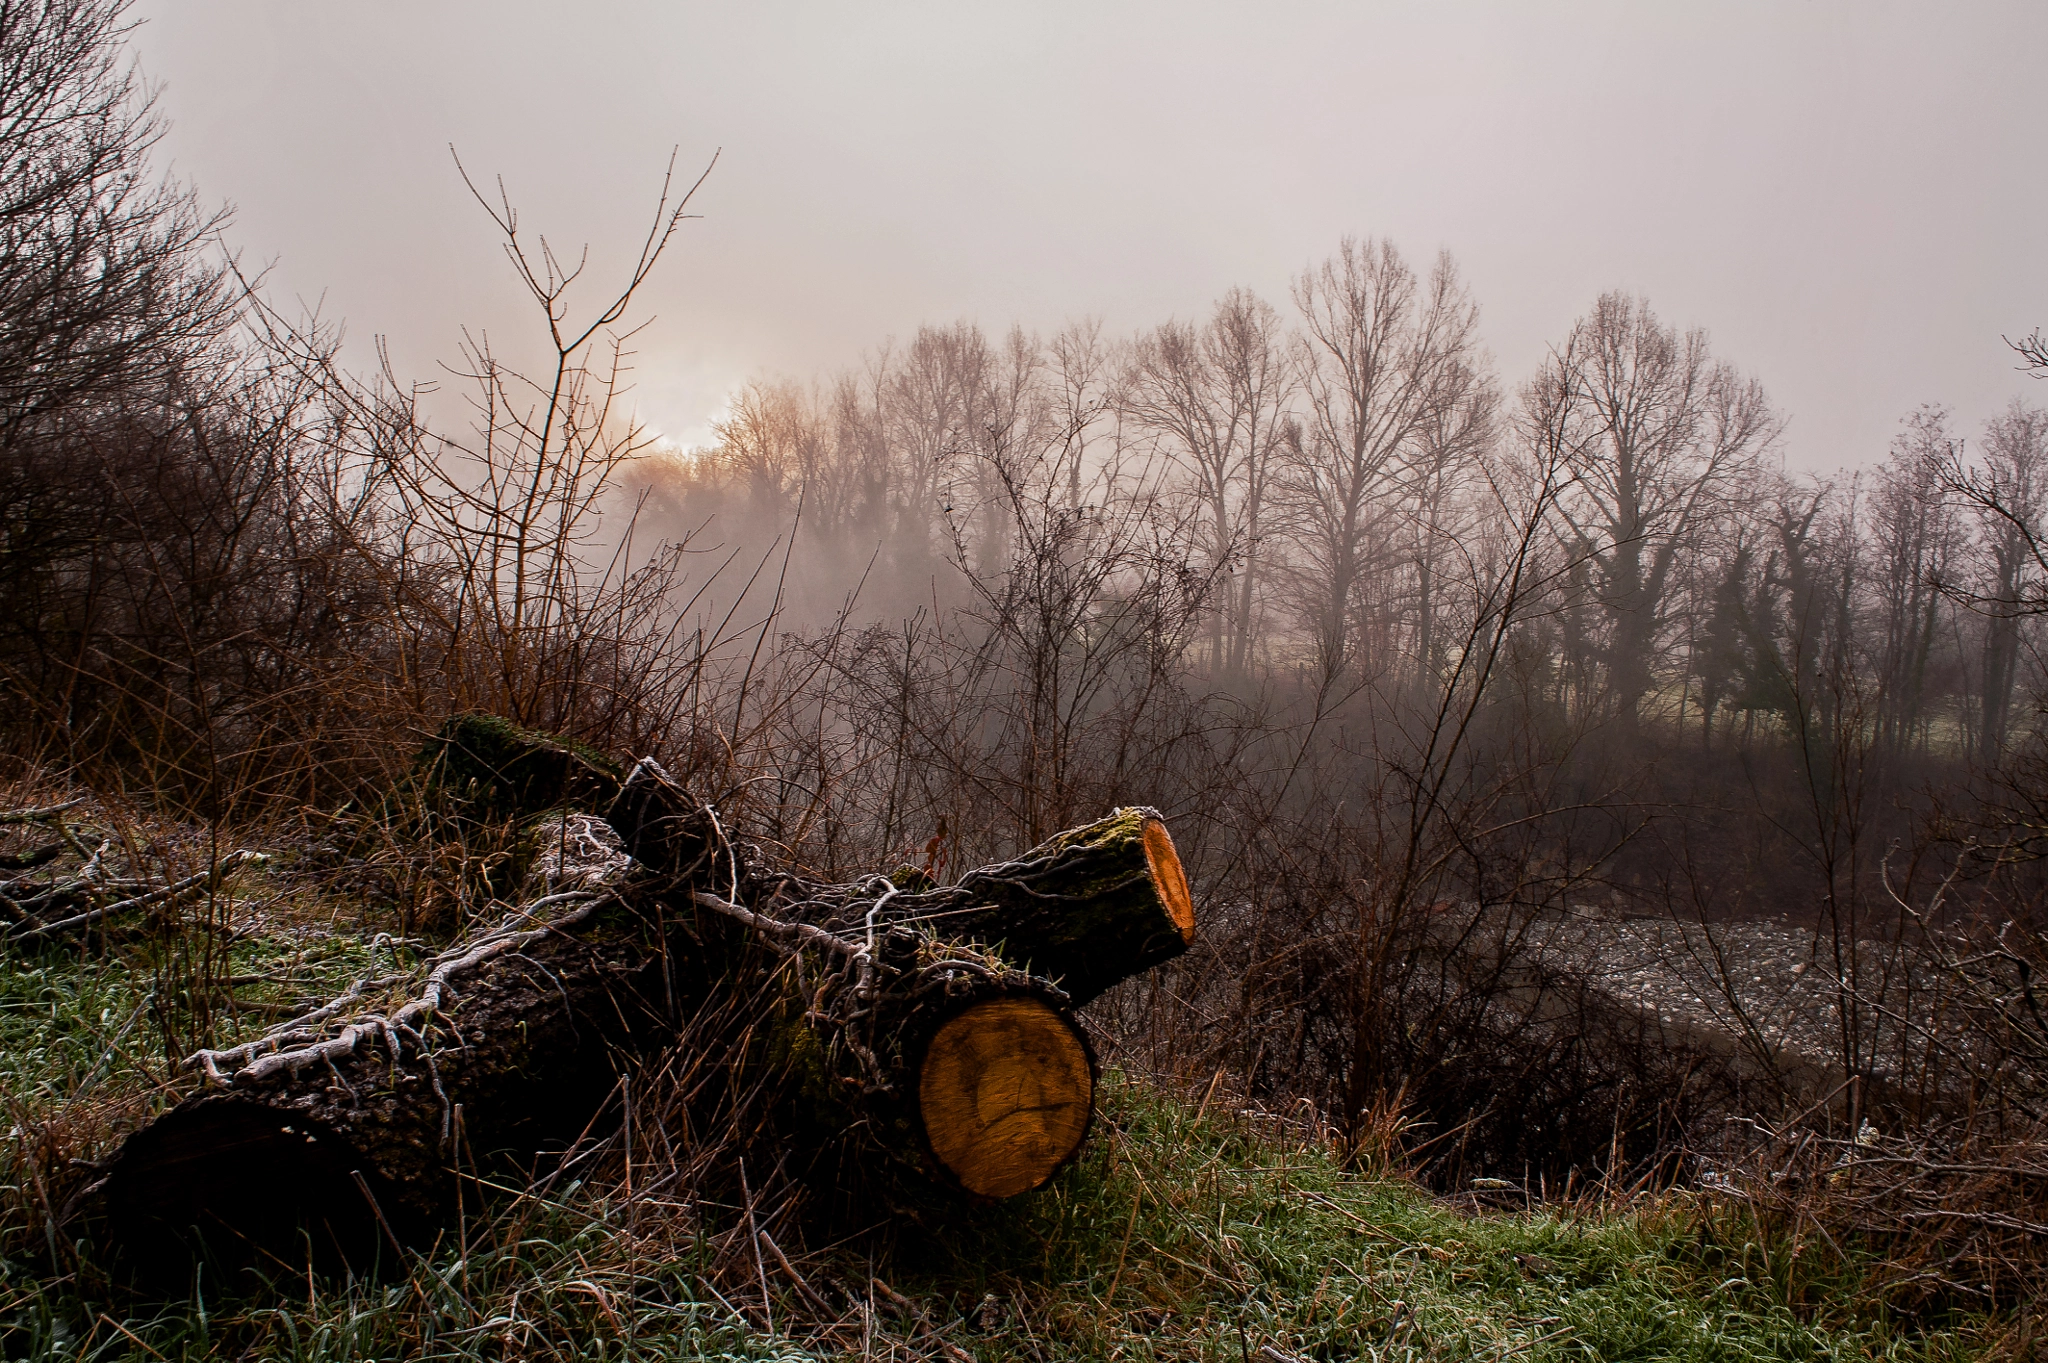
[
  {"x": 1085, "y": 909},
  {"x": 933, "y": 1026},
  {"x": 959, "y": 1059},
  {"x": 351, "y": 1130}
]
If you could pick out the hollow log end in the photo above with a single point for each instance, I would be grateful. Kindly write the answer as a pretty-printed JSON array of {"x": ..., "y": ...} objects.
[
  {"x": 1006, "y": 1092},
  {"x": 1168, "y": 880}
]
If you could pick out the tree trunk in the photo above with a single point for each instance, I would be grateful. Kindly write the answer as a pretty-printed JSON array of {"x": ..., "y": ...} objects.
[
  {"x": 944, "y": 1021},
  {"x": 351, "y": 1129},
  {"x": 1086, "y": 909},
  {"x": 932, "y": 1025}
]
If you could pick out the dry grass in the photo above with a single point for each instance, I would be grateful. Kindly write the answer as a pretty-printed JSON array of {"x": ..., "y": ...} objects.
[{"x": 1937, "y": 1221}]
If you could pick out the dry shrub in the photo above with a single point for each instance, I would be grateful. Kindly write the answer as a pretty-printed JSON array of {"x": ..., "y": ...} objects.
[{"x": 1952, "y": 1219}]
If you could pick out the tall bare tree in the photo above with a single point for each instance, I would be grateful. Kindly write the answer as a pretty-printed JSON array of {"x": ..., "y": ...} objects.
[
  {"x": 2013, "y": 476},
  {"x": 860, "y": 442},
  {"x": 1383, "y": 352},
  {"x": 1218, "y": 395},
  {"x": 1081, "y": 378},
  {"x": 103, "y": 284},
  {"x": 777, "y": 443},
  {"x": 1661, "y": 439},
  {"x": 1456, "y": 432},
  {"x": 934, "y": 397},
  {"x": 113, "y": 324},
  {"x": 1913, "y": 539}
]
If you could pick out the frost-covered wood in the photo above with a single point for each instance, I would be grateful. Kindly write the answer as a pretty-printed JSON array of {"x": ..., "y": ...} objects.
[
  {"x": 82, "y": 879},
  {"x": 505, "y": 1045},
  {"x": 931, "y": 1027}
]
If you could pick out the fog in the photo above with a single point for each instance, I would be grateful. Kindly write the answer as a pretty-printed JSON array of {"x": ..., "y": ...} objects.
[{"x": 1848, "y": 197}]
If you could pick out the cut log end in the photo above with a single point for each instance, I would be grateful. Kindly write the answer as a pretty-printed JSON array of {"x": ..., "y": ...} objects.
[
  {"x": 1168, "y": 878},
  {"x": 1006, "y": 1092}
]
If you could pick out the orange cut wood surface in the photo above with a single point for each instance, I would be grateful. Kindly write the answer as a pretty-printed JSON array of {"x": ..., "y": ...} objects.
[
  {"x": 1006, "y": 1091},
  {"x": 1168, "y": 879}
]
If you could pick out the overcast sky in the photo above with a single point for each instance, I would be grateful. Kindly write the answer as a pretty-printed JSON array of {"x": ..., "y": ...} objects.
[{"x": 1848, "y": 196}]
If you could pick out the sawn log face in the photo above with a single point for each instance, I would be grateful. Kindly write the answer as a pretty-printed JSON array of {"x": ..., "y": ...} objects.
[{"x": 1006, "y": 1091}]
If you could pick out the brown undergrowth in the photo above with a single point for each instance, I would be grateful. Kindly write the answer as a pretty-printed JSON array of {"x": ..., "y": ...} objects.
[{"x": 1946, "y": 1220}]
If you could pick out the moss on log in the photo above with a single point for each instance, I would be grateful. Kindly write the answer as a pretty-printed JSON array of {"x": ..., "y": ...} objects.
[
  {"x": 483, "y": 768},
  {"x": 1087, "y": 909}
]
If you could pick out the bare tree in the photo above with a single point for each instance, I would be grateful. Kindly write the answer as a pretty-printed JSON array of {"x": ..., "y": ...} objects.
[
  {"x": 1797, "y": 624},
  {"x": 1722, "y": 649},
  {"x": 2006, "y": 495},
  {"x": 1013, "y": 430},
  {"x": 1913, "y": 538},
  {"x": 114, "y": 319},
  {"x": 1080, "y": 373},
  {"x": 1661, "y": 439},
  {"x": 775, "y": 442},
  {"x": 934, "y": 393},
  {"x": 2016, "y": 471},
  {"x": 1218, "y": 395},
  {"x": 1456, "y": 433},
  {"x": 502, "y": 594},
  {"x": 861, "y": 456},
  {"x": 103, "y": 284},
  {"x": 1383, "y": 352}
]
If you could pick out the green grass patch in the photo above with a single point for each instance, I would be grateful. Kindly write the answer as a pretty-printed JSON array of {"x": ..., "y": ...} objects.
[{"x": 1178, "y": 1238}]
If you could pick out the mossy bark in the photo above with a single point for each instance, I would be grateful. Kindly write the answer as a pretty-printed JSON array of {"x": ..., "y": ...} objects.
[
  {"x": 1085, "y": 909},
  {"x": 482, "y": 770}
]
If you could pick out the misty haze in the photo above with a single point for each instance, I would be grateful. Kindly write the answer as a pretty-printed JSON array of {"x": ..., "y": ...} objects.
[{"x": 1338, "y": 683}]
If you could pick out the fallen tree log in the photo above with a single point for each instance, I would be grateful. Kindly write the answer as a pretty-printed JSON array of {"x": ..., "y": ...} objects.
[
  {"x": 886, "y": 1027},
  {"x": 338, "y": 1131},
  {"x": 994, "y": 1091},
  {"x": 1086, "y": 909},
  {"x": 940, "y": 1055}
]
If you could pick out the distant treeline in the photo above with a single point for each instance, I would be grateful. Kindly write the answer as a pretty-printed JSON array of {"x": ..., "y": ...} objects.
[{"x": 1333, "y": 481}]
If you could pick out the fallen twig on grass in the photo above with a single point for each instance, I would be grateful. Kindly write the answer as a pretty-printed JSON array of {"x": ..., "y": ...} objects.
[
  {"x": 191, "y": 885},
  {"x": 45, "y": 900}
]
